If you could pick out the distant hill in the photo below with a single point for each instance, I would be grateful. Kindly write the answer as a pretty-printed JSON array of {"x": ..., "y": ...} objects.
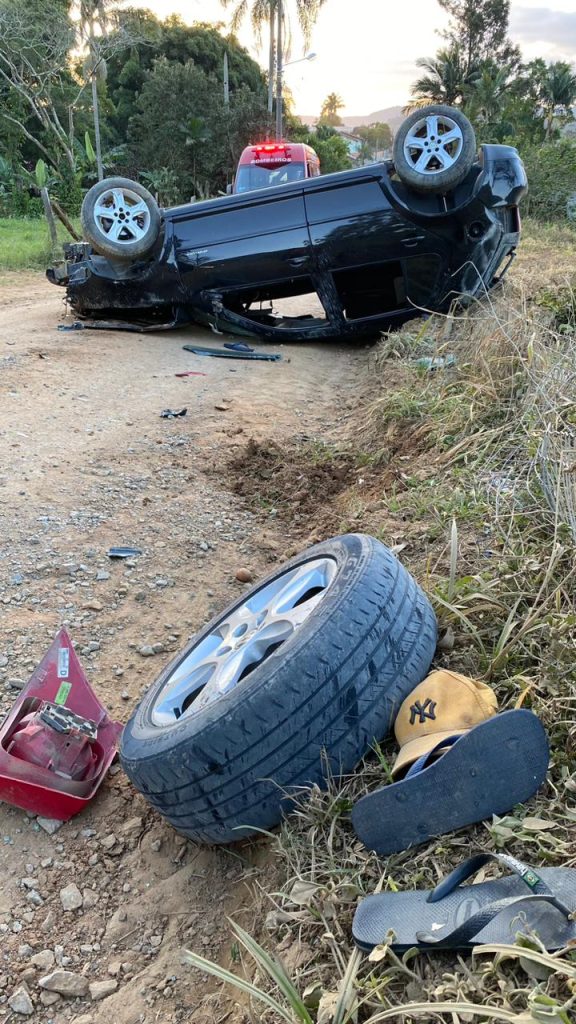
[{"x": 390, "y": 115}]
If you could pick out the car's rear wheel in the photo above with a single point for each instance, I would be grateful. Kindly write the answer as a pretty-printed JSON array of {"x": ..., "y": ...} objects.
[
  {"x": 292, "y": 683},
  {"x": 434, "y": 149},
  {"x": 120, "y": 218}
]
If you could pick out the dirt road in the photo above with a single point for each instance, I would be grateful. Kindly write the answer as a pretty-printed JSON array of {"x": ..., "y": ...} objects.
[{"x": 86, "y": 463}]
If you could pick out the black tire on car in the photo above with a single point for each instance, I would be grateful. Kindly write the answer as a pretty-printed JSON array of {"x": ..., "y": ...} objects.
[
  {"x": 120, "y": 218},
  {"x": 434, "y": 148},
  {"x": 312, "y": 704}
]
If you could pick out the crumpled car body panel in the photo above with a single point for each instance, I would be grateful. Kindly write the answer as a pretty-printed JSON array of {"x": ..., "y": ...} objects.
[{"x": 374, "y": 252}]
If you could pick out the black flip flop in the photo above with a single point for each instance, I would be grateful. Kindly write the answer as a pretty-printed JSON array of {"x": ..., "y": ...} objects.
[
  {"x": 455, "y": 917},
  {"x": 498, "y": 764}
]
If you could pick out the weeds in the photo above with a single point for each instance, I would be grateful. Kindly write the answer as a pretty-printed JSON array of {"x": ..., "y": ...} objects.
[{"x": 473, "y": 482}]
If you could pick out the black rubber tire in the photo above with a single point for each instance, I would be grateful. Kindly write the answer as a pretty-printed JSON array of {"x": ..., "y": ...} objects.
[
  {"x": 442, "y": 180},
  {"x": 315, "y": 705},
  {"x": 119, "y": 250}
]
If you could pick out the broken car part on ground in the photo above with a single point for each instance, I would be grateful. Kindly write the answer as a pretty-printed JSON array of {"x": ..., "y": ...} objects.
[
  {"x": 375, "y": 245},
  {"x": 58, "y": 741}
]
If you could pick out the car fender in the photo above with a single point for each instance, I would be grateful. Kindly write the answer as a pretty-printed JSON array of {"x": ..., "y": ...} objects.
[{"x": 503, "y": 180}]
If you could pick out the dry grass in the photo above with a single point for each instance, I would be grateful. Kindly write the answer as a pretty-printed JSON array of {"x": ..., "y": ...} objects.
[{"x": 478, "y": 480}]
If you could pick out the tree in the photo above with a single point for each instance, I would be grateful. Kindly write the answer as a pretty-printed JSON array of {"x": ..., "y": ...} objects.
[
  {"x": 183, "y": 128},
  {"x": 486, "y": 96},
  {"x": 331, "y": 148},
  {"x": 479, "y": 29},
  {"x": 35, "y": 39},
  {"x": 557, "y": 90},
  {"x": 179, "y": 43},
  {"x": 329, "y": 113},
  {"x": 196, "y": 135},
  {"x": 448, "y": 77},
  {"x": 172, "y": 95},
  {"x": 263, "y": 12},
  {"x": 375, "y": 138}
]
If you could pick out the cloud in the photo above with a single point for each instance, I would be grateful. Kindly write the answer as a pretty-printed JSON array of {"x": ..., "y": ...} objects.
[{"x": 553, "y": 29}]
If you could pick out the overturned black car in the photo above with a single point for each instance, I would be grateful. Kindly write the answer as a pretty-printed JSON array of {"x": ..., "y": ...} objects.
[{"x": 376, "y": 245}]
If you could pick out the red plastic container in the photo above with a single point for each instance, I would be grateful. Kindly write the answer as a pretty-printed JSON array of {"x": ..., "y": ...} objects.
[{"x": 78, "y": 764}]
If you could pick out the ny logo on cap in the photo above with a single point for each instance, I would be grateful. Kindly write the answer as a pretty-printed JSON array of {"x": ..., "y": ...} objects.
[{"x": 423, "y": 711}]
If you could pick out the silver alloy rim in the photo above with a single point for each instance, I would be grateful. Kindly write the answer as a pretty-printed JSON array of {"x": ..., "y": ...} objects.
[
  {"x": 122, "y": 215},
  {"x": 243, "y": 640},
  {"x": 433, "y": 144}
]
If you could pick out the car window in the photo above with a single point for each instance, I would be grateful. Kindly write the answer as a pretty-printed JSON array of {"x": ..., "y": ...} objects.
[{"x": 250, "y": 177}]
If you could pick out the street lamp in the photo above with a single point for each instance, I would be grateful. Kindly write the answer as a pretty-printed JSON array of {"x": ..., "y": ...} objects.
[{"x": 309, "y": 56}]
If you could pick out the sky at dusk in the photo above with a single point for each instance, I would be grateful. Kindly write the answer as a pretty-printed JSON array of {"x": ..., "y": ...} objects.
[{"x": 366, "y": 50}]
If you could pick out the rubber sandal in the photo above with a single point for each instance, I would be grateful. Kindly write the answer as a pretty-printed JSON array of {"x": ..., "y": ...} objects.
[
  {"x": 455, "y": 917},
  {"x": 486, "y": 771}
]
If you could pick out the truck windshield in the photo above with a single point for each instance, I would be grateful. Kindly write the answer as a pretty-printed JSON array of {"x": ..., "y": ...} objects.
[{"x": 251, "y": 177}]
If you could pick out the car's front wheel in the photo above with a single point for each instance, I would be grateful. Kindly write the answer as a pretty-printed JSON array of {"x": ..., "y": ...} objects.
[
  {"x": 434, "y": 149},
  {"x": 120, "y": 218}
]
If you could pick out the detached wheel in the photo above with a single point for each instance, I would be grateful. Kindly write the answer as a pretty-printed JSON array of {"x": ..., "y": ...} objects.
[
  {"x": 434, "y": 149},
  {"x": 120, "y": 218},
  {"x": 293, "y": 681}
]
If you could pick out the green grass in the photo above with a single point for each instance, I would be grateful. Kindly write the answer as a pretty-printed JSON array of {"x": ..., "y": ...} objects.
[
  {"x": 485, "y": 511},
  {"x": 25, "y": 244}
]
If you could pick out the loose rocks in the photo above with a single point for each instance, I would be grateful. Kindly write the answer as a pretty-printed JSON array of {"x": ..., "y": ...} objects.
[
  {"x": 101, "y": 989},
  {"x": 43, "y": 960},
  {"x": 71, "y": 897},
  {"x": 66, "y": 983},
  {"x": 20, "y": 1001}
]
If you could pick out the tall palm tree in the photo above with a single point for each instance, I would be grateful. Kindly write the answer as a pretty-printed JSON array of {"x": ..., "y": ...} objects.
[
  {"x": 330, "y": 109},
  {"x": 448, "y": 76},
  {"x": 558, "y": 89},
  {"x": 485, "y": 97},
  {"x": 263, "y": 12}
]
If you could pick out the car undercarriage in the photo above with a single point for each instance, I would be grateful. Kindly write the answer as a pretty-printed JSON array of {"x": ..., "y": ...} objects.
[{"x": 371, "y": 250}]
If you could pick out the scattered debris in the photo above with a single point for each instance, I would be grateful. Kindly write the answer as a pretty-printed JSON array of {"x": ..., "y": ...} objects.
[
  {"x": 435, "y": 363},
  {"x": 123, "y": 552},
  {"x": 238, "y": 346},
  {"x": 170, "y": 414},
  {"x": 244, "y": 576},
  {"x": 58, "y": 742},
  {"x": 191, "y": 373},
  {"x": 76, "y": 326},
  {"x": 202, "y": 350}
]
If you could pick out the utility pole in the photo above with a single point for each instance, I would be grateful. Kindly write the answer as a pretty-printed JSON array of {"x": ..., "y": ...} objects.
[
  {"x": 279, "y": 131},
  {"x": 226, "y": 81},
  {"x": 271, "y": 58},
  {"x": 96, "y": 111}
]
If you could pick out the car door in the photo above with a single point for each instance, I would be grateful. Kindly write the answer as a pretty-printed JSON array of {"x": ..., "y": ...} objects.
[
  {"x": 354, "y": 234},
  {"x": 243, "y": 241}
]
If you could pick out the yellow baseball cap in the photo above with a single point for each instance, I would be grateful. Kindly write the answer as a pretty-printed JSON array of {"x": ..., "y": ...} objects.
[{"x": 444, "y": 704}]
